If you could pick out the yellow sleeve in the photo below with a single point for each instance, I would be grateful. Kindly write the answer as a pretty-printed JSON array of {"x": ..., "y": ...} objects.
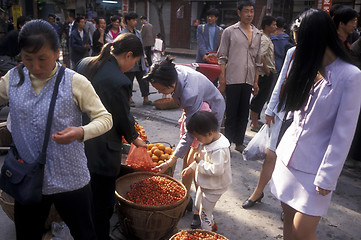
[
  {"x": 89, "y": 102},
  {"x": 4, "y": 89}
]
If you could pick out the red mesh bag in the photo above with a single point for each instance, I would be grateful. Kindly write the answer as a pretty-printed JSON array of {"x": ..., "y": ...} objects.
[{"x": 139, "y": 158}]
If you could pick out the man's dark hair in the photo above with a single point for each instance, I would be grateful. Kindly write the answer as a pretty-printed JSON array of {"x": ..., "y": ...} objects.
[
  {"x": 334, "y": 8},
  {"x": 281, "y": 22},
  {"x": 97, "y": 20},
  {"x": 143, "y": 17},
  {"x": 267, "y": 21},
  {"x": 77, "y": 20},
  {"x": 245, "y": 3},
  {"x": 213, "y": 11},
  {"x": 129, "y": 16},
  {"x": 21, "y": 21},
  {"x": 344, "y": 15},
  {"x": 202, "y": 122},
  {"x": 52, "y": 15}
]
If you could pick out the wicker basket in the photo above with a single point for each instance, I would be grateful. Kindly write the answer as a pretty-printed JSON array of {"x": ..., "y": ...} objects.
[
  {"x": 165, "y": 103},
  {"x": 146, "y": 222},
  {"x": 200, "y": 231},
  {"x": 7, "y": 204}
]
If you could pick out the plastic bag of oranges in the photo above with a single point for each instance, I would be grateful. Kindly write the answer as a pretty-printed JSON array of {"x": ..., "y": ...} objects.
[{"x": 139, "y": 158}]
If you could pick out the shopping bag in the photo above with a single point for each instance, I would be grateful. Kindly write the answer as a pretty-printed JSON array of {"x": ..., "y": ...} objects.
[
  {"x": 139, "y": 158},
  {"x": 256, "y": 148}
]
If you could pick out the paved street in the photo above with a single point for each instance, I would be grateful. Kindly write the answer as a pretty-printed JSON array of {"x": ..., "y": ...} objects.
[{"x": 234, "y": 222}]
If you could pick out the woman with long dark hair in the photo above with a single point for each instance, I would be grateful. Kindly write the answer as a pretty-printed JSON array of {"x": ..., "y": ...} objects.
[
  {"x": 323, "y": 90},
  {"x": 29, "y": 88},
  {"x": 106, "y": 73}
]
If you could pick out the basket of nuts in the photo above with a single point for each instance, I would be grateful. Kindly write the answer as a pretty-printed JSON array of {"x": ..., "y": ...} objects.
[
  {"x": 197, "y": 234},
  {"x": 149, "y": 206}
]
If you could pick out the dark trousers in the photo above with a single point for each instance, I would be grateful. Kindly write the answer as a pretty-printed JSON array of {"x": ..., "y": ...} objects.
[
  {"x": 148, "y": 53},
  {"x": 237, "y": 111},
  {"x": 143, "y": 85},
  {"x": 103, "y": 188},
  {"x": 265, "y": 85},
  {"x": 75, "y": 208}
]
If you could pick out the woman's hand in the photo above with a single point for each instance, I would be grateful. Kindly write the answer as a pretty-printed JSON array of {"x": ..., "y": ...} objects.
[
  {"x": 68, "y": 135},
  {"x": 161, "y": 168},
  {"x": 139, "y": 143},
  {"x": 322, "y": 191},
  {"x": 186, "y": 171},
  {"x": 269, "y": 120}
]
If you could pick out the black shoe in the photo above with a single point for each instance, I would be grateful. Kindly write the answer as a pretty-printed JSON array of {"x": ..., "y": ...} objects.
[
  {"x": 196, "y": 222},
  {"x": 189, "y": 207},
  {"x": 249, "y": 203},
  {"x": 240, "y": 147}
]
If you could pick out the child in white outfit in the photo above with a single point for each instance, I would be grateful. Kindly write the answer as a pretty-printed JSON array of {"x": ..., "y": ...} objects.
[
  {"x": 158, "y": 48},
  {"x": 212, "y": 165}
]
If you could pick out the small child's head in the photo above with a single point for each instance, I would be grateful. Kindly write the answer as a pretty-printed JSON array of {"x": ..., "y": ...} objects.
[
  {"x": 203, "y": 125},
  {"x": 159, "y": 35}
]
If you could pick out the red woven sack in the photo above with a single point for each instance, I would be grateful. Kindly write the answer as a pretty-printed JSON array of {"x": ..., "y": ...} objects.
[{"x": 139, "y": 158}]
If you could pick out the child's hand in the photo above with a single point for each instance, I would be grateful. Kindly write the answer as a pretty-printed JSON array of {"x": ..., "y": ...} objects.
[
  {"x": 186, "y": 171},
  {"x": 197, "y": 157},
  {"x": 322, "y": 191}
]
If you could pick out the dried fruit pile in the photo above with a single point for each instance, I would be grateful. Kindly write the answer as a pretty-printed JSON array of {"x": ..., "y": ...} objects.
[
  {"x": 184, "y": 235},
  {"x": 155, "y": 191}
]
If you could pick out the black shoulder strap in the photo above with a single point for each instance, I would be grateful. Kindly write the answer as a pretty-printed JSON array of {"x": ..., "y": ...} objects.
[{"x": 51, "y": 109}]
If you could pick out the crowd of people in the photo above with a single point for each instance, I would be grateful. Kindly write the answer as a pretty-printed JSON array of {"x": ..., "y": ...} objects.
[{"x": 311, "y": 82}]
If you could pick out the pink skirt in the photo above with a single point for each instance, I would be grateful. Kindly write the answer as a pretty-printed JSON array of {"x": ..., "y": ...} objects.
[{"x": 182, "y": 123}]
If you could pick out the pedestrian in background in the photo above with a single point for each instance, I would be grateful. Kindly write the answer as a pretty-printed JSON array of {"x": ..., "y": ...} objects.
[
  {"x": 158, "y": 49},
  {"x": 345, "y": 19},
  {"x": 9, "y": 47},
  {"x": 28, "y": 88},
  {"x": 322, "y": 84},
  {"x": 239, "y": 56},
  {"x": 79, "y": 42},
  {"x": 99, "y": 36},
  {"x": 281, "y": 42},
  {"x": 193, "y": 92},
  {"x": 265, "y": 72},
  {"x": 106, "y": 74},
  {"x": 114, "y": 30},
  {"x": 274, "y": 118},
  {"x": 139, "y": 68},
  {"x": 148, "y": 37},
  {"x": 212, "y": 165},
  {"x": 208, "y": 36}
]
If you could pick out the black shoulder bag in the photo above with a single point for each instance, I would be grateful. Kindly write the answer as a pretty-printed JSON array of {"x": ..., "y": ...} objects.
[{"x": 24, "y": 181}]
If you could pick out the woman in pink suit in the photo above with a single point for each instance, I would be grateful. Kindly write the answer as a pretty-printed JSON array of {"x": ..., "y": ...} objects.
[{"x": 323, "y": 90}]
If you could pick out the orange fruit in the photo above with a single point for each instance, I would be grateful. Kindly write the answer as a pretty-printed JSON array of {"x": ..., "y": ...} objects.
[
  {"x": 160, "y": 162},
  {"x": 158, "y": 152},
  {"x": 160, "y": 146},
  {"x": 163, "y": 157},
  {"x": 154, "y": 158},
  {"x": 150, "y": 153},
  {"x": 167, "y": 156},
  {"x": 168, "y": 150},
  {"x": 153, "y": 149},
  {"x": 149, "y": 146}
]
